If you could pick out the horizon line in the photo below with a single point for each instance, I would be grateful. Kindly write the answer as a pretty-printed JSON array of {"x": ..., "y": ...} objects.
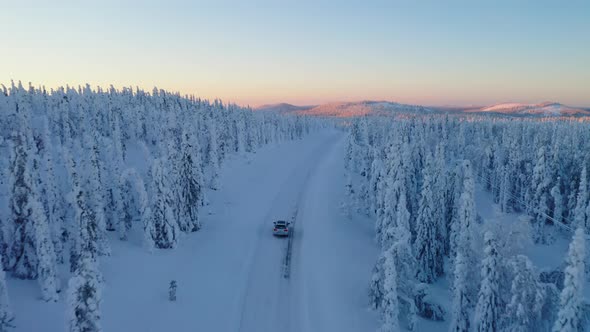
[{"x": 258, "y": 105}]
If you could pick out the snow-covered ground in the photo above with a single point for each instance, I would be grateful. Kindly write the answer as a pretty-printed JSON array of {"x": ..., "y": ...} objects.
[
  {"x": 544, "y": 257},
  {"x": 230, "y": 274}
]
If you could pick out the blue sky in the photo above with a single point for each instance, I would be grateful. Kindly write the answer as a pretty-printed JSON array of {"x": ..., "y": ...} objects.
[{"x": 307, "y": 52}]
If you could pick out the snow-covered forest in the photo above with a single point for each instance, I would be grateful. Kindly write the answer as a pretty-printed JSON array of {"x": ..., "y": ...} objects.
[
  {"x": 420, "y": 178},
  {"x": 480, "y": 222},
  {"x": 80, "y": 164}
]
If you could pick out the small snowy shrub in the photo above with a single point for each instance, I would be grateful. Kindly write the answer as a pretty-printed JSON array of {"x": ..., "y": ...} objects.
[{"x": 172, "y": 291}]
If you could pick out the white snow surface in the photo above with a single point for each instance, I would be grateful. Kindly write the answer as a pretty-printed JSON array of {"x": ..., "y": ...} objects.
[{"x": 230, "y": 274}]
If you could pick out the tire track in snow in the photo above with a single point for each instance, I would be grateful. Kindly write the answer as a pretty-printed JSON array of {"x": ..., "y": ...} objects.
[{"x": 289, "y": 251}]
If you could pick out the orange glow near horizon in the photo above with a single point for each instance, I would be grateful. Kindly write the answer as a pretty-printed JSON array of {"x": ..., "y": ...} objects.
[{"x": 315, "y": 95}]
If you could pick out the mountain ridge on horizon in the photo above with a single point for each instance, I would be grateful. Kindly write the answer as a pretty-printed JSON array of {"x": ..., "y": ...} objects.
[{"x": 365, "y": 107}]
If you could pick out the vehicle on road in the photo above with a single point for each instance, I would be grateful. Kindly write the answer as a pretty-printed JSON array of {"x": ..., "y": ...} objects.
[{"x": 281, "y": 228}]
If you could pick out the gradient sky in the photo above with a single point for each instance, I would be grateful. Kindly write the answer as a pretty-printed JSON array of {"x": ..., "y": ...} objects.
[{"x": 307, "y": 52}]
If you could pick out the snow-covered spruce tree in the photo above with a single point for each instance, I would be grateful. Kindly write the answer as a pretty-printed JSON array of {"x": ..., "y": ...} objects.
[
  {"x": 453, "y": 210},
  {"x": 528, "y": 297},
  {"x": 72, "y": 230},
  {"x": 580, "y": 217},
  {"x": 497, "y": 164},
  {"x": 161, "y": 224},
  {"x": 402, "y": 227},
  {"x": 251, "y": 137},
  {"x": 84, "y": 297},
  {"x": 86, "y": 237},
  {"x": 53, "y": 198},
  {"x": 570, "y": 315},
  {"x": 225, "y": 135},
  {"x": 487, "y": 309},
  {"x": 128, "y": 204},
  {"x": 570, "y": 201},
  {"x": 376, "y": 184},
  {"x": 118, "y": 139},
  {"x": 212, "y": 155},
  {"x": 410, "y": 172},
  {"x": 376, "y": 291},
  {"x": 84, "y": 231},
  {"x": 395, "y": 236},
  {"x": 505, "y": 199},
  {"x": 171, "y": 160},
  {"x": 6, "y": 315},
  {"x": 390, "y": 310},
  {"x": 363, "y": 154},
  {"x": 513, "y": 179},
  {"x": 440, "y": 184},
  {"x": 112, "y": 194},
  {"x": 136, "y": 203},
  {"x": 386, "y": 223},
  {"x": 464, "y": 276},
  {"x": 558, "y": 201},
  {"x": 190, "y": 181},
  {"x": 43, "y": 243},
  {"x": 46, "y": 268},
  {"x": 581, "y": 212},
  {"x": 405, "y": 263},
  {"x": 394, "y": 182},
  {"x": 22, "y": 258},
  {"x": 349, "y": 159},
  {"x": 172, "y": 291},
  {"x": 4, "y": 229},
  {"x": 487, "y": 167},
  {"x": 240, "y": 136},
  {"x": 113, "y": 149},
  {"x": 428, "y": 253},
  {"x": 461, "y": 313},
  {"x": 540, "y": 206},
  {"x": 588, "y": 225},
  {"x": 466, "y": 213},
  {"x": 348, "y": 204},
  {"x": 92, "y": 185},
  {"x": 116, "y": 199}
]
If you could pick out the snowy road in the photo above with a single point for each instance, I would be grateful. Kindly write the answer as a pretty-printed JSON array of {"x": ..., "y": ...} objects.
[
  {"x": 331, "y": 258},
  {"x": 230, "y": 274},
  {"x": 266, "y": 304}
]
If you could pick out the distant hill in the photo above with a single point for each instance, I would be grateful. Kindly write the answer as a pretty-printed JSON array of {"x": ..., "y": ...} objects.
[
  {"x": 364, "y": 108},
  {"x": 543, "y": 109},
  {"x": 282, "y": 108}
]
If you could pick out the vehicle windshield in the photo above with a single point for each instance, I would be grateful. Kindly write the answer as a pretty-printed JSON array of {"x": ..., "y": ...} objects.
[{"x": 280, "y": 226}]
